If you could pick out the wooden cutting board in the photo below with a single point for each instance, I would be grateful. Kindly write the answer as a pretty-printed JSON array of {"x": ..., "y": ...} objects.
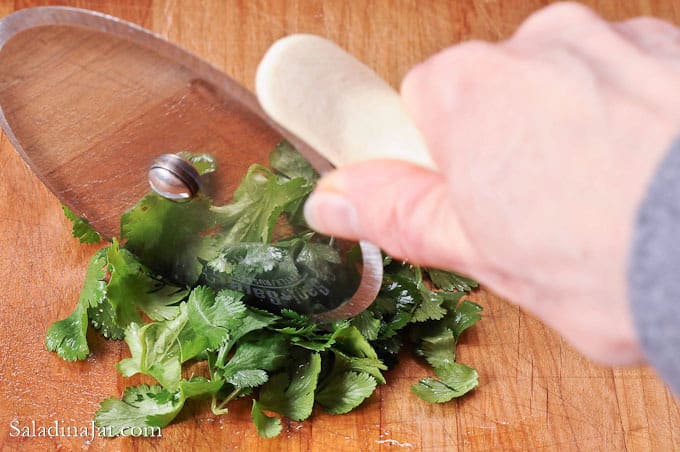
[{"x": 535, "y": 391}]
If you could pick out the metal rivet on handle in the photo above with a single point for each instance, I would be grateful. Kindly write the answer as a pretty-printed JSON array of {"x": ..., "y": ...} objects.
[{"x": 174, "y": 178}]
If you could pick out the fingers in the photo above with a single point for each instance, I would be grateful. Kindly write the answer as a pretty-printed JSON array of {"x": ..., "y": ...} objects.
[
  {"x": 654, "y": 36},
  {"x": 400, "y": 207}
]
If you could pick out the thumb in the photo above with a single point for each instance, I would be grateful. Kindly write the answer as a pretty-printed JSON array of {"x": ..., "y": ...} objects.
[{"x": 403, "y": 208}]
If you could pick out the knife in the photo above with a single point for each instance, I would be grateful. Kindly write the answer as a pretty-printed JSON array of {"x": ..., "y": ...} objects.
[{"x": 81, "y": 86}]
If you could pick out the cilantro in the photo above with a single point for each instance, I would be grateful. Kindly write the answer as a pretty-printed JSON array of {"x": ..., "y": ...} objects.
[
  {"x": 159, "y": 348},
  {"x": 451, "y": 281},
  {"x": 166, "y": 235},
  {"x": 253, "y": 358},
  {"x": 345, "y": 391},
  {"x": 67, "y": 336},
  {"x": 291, "y": 394},
  {"x": 456, "y": 380},
  {"x": 146, "y": 408},
  {"x": 267, "y": 427},
  {"x": 367, "y": 324},
  {"x": 81, "y": 227},
  {"x": 187, "y": 284},
  {"x": 258, "y": 202},
  {"x": 204, "y": 163}
]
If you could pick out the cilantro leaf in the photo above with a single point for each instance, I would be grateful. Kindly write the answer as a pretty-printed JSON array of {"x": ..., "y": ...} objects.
[
  {"x": 351, "y": 342},
  {"x": 369, "y": 365},
  {"x": 103, "y": 318},
  {"x": 198, "y": 387},
  {"x": 204, "y": 163},
  {"x": 146, "y": 408},
  {"x": 141, "y": 407},
  {"x": 450, "y": 281},
  {"x": 254, "y": 356},
  {"x": 436, "y": 340},
  {"x": 260, "y": 199},
  {"x": 158, "y": 349},
  {"x": 81, "y": 227},
  {"x": 455, "y": 380},
  {"x": 367, "y": 324},
  {"x": 168, "y": 236},
  {"x": 211, "y": 317},
  {"x": 293, "y": 395},
  {"x": 131, "y": 287},
  {"x": 155, "y": 350},
  {"x": 430, "y": 306},
  {"x": 286, "y": 160},
  {"x": 67, "y": 337},
  {"x": 466, "y": 315},
  {"x": 345, "y": 391},
  {"x": 439, "y": 350},
  {"x": 267, "y": 427}
]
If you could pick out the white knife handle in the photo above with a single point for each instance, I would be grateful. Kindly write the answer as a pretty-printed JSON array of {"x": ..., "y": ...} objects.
[{"x": 335, "y": 103}]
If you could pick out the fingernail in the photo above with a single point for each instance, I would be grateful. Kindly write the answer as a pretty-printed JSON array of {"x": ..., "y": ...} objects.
[{"x": 332, "y": 214}]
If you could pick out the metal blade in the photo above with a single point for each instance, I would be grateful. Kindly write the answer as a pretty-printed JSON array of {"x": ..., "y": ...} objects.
[{"x": 89, "y": 101}]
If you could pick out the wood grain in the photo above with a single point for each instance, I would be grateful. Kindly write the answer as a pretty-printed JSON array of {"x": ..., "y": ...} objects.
[{"x": 535, "y": 391}]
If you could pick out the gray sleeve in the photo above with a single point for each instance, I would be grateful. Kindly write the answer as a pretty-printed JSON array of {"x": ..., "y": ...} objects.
[{"x": 654, "y": 270}]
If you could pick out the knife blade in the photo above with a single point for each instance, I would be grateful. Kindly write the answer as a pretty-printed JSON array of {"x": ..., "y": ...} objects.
[{"x": 80, "y": 86}]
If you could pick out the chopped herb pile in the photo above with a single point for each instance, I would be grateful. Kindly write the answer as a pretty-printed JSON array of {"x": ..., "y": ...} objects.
[{"x": 191, "y": 282}]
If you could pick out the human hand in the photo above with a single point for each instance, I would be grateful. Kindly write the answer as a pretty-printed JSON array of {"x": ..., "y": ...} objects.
[{"x": 545, "y": 144}]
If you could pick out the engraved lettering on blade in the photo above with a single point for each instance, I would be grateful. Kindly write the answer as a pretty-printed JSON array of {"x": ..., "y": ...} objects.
[{"x": 279, "y": 291}]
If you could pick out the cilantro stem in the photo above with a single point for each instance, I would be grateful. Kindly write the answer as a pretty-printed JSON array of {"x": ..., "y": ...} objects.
[
  {"x": 419, "y": 276},
  {"x": 219, "y": 409}
]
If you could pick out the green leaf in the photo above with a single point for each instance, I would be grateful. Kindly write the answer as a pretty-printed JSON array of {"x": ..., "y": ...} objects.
[
  {"x": 94, "y": 286},
  {"x": 288, "y": 162},
  {"x": 204, "y": 163},
  {"x": 142, "y": 407},
  {"x": 260, "y": 199},
  {"x": 248, "y": 378},
  {"x": 212, "y": 317},
  {"x": 398, "y": 298},
  {"x": 367, "y": 324},
  {"x": 262, "y": 351},
  {"x": 467, "y": 314},
  {"x": 131, "y": 287},
  {"x": 345, "y": 391},
  {"x": 198, "y": 387},
  {"x": 436, "y": 340},
  {"x": 285, "y": 159},
  {"x": 430, "y": 306},
  {"x": 293, "y": 395},
  {"x": 267, "y": 427},
  {"x": 145, "y": 409},
  {"x": 170, "y": 237},
  {"x": 455, "y": 381},
  {"x": 439, "y": 350},
  {"x": 351, "y": 342},
  {"x": 81, "y": 227},
  {"x": 255, "y": 319},
  {"x": 103, "y": 318},
  {"x": 156, "y": 350},
  {"x": 450, "y": 281},
  {"x": 67, "y": 336},
  {"x": 371, "y": 366}
]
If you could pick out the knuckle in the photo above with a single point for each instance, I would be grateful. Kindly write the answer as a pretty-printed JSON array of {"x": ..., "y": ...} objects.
[
  {"x": 556, "y": 18},
  {"x": 566, "y": 13}
]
